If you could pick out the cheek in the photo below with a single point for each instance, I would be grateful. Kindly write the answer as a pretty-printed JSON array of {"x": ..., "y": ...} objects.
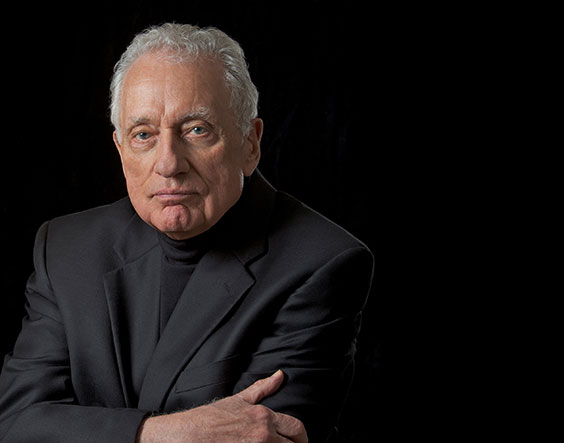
[
  {"x": 221, "y": 166},
  {"x": 224, "y": 181},
  {"x": 134, "y": 171},
  {"x": 135, "y": 178}
]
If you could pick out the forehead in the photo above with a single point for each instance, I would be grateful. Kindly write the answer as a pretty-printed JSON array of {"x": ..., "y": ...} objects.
[{"x": 156, "y": 87}]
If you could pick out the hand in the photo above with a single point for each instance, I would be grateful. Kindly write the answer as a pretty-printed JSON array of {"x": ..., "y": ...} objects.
[{"x": 233, "y": 419}]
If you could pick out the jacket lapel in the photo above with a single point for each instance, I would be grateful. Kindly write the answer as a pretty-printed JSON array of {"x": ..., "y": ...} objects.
[
  {"x": 214, "y": 289},
  {"x": 132, "y": 294}
]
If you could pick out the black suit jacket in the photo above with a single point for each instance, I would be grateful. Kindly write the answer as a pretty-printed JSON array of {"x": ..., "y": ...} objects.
[{"x": 284, "y": 289}]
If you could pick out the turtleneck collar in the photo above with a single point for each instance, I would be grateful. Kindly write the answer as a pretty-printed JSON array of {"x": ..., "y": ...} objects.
[{"x": 185, "y": 251}]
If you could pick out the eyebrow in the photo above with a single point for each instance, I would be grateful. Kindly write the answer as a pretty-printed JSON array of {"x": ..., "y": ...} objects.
[
  {"x": 137, "y": 121},
  {"x": 201, "y": 113}
]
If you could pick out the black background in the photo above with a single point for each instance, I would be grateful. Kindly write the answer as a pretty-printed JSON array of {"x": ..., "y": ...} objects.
[{"x": 341, "y": 89}]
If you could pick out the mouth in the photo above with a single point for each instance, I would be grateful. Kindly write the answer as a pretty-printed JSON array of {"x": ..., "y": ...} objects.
[{"x": 172, "y": 194}]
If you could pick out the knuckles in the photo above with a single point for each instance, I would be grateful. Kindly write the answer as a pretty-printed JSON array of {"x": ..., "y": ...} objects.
[
  {"x": 261, "y": 414},
  {"x": 263, "y": 429}
]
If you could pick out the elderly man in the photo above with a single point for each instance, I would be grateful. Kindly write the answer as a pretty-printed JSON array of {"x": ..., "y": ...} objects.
[{"x": 205, "y": 306}]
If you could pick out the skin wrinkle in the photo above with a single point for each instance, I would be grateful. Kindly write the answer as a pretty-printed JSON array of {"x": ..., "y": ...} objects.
[{"x": 202, "y": 113}]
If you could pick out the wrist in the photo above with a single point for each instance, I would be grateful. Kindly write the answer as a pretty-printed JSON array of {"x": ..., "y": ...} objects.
[{"x": 168, "y": 427}]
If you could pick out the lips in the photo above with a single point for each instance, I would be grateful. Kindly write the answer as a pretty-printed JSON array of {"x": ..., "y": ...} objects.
[
  {"x": 172, "y": 194},
  {"x": 165, "y": 192}
]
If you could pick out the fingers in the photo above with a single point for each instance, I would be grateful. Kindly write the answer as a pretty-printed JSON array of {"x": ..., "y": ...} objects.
[
  {"x": 262, "y": 388},
  {"x": 287, "y": 427},
  {"x": 291, "y": 428}
]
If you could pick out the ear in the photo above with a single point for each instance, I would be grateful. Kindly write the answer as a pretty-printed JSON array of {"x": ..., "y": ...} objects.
[
  {"x": 252, "y": 146},
  {"x": 120, "y": 151},
  {"x": 116, "y": 142},
  {"x": 119, "y": 148}
]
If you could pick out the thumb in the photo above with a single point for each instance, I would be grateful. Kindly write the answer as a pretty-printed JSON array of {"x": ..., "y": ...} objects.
[{"x": 262, "y": 388}]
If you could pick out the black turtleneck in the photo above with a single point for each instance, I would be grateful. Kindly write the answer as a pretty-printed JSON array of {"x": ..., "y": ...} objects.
[{"x": 180, "y": 258}]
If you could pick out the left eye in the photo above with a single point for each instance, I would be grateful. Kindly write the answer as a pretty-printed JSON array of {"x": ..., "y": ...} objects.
[{"x": 198, "y": 130}]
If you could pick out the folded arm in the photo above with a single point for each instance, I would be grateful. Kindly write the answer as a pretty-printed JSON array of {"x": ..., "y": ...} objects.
[
  {"x": 38, "y": 402},
  {"x": 313, "y": 340},
  {"x": 234, "y": 418}
]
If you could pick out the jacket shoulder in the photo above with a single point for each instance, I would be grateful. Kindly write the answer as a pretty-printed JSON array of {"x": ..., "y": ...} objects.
[
  {"x": 104, "y": 220},
  {"x": 87, "y": 233},
  {"x": 309, "y": 232}
]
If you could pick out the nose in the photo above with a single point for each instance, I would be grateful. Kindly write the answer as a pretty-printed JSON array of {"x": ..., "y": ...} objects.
[{"x": 171, "y": 160}]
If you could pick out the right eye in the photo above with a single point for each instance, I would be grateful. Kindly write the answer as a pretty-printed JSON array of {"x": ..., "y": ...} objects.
[{"x": 142, "y": 136}]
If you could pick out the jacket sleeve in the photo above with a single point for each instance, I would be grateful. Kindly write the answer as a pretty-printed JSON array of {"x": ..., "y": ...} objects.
[
  {"x": 37, "y": 402},
  {"x": 313, "y": 340}
]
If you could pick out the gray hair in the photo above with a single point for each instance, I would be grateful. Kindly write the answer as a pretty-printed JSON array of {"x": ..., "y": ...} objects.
[{"x": 183, "y": 43}]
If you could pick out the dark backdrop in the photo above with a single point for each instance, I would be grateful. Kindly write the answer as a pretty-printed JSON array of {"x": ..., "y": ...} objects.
[{"x": 334, "y": 95}]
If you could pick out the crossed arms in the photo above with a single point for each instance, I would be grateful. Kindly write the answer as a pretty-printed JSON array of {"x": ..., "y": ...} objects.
[{"x": 38, "y": 398}]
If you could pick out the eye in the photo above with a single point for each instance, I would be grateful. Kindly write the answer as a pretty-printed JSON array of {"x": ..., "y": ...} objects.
[
  {"x": 199, "y": 130},
  {"x": 142, "y": 136}
]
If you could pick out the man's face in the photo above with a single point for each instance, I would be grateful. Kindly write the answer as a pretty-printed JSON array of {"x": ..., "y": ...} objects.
[{"x": 182, "y": 154}]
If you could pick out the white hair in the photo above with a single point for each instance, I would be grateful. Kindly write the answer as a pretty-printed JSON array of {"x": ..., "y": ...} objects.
[{"x": 183, "y": 43}]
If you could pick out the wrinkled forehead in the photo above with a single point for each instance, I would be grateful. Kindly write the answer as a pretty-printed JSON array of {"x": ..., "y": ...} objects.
[
  {"x": 156, "y": 88},
  {"x": 166, "y": 60}
]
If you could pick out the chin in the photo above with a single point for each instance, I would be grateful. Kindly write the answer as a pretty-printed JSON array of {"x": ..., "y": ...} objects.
[{"x": 178, "y": 223}]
